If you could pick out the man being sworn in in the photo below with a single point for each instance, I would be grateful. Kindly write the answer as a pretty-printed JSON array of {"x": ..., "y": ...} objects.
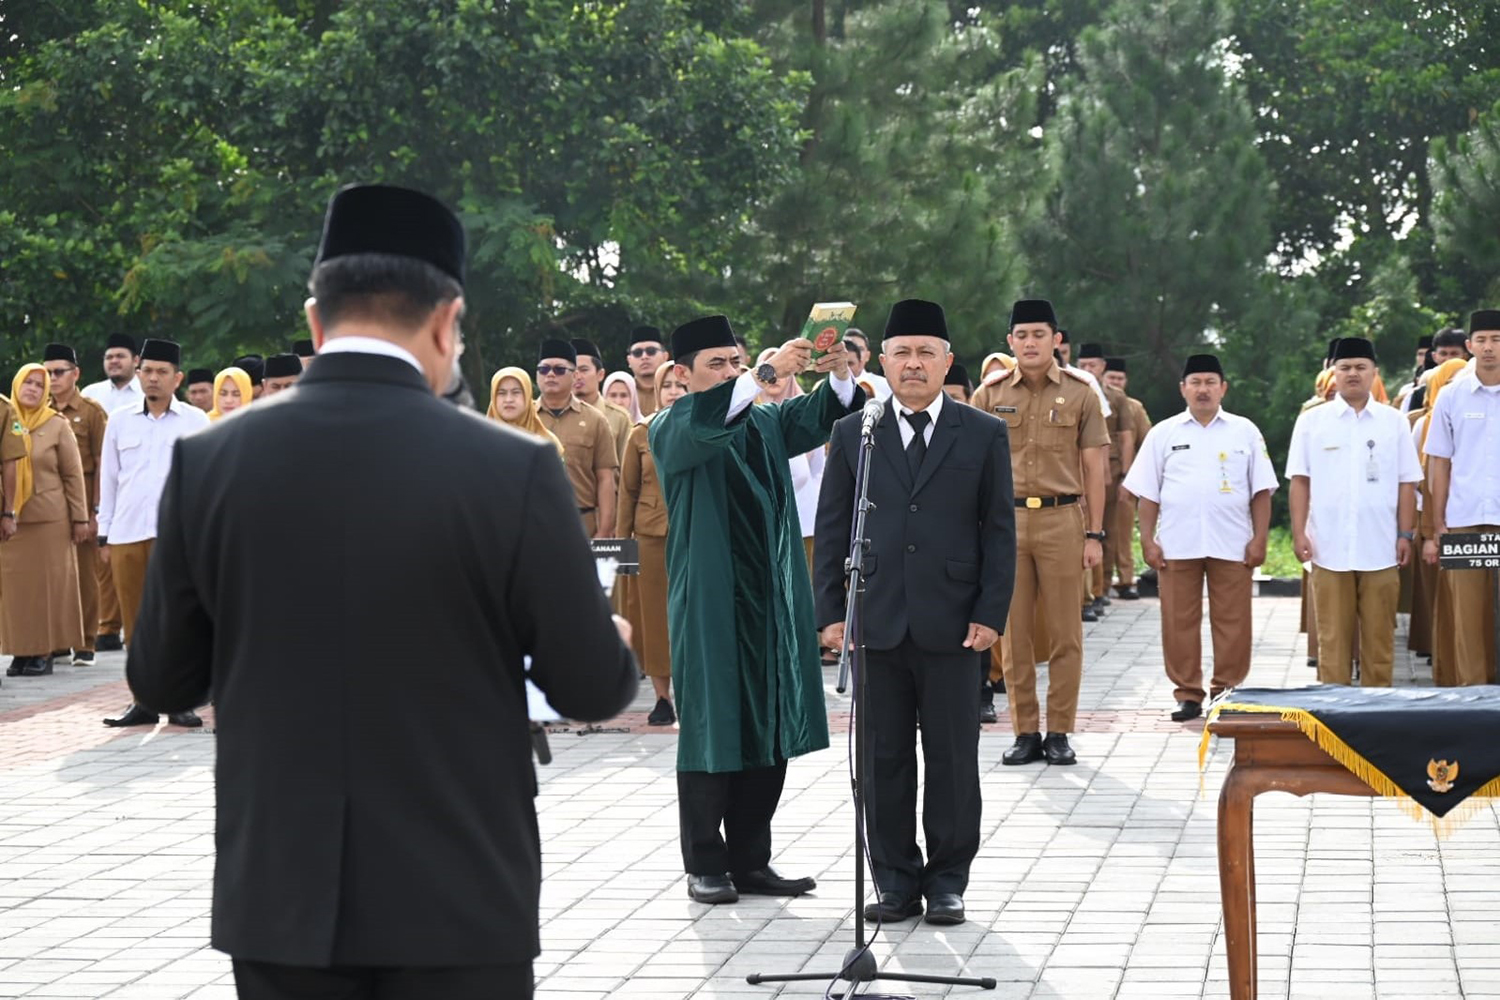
[{"x": 739, "y": 608}]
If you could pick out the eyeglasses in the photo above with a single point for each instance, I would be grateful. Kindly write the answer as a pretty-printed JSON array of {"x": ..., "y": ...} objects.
[
  {"x": 553, "y": 370},
  {"x": 644, "y": 352},
  {"x": 58, "y": 372}
]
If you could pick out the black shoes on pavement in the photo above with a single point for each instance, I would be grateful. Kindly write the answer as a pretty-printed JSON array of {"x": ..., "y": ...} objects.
[
  {"x": 945, "y": 909},
  {"x": 1126, "y": 592},
  {"x": 768, "y": 881},
  {"x": 712, "y": 889},
  {"x": 29, "y": 666},
  {"x": 109, "y": 643},
  {"x": 1187, "y": 710},
  {"x": 893, "y": 908},
  {"x": 135, "y": 715},
  {"x": 663, "y": 714},
  {"x": 1030, "y": 747}
]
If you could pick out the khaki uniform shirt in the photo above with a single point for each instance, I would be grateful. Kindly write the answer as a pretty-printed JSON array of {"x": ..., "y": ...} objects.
[
  {"x": 588, "y": 447},
  {"x": 1049, "y": 429},
  {"x": 646, "y": 398},
  {"x": 87, "y": 418},
  {"x": 12, "y": 445},
  {"x": 1118, "y": 422},
  {"x": 619, "y": 424}
]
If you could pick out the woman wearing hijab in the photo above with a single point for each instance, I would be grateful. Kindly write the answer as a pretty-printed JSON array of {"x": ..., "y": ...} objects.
[
  {"x": 1425, "y": 590},
  {"x": 642, "y": 515},
  {"x": 39, "y": 564},
  {"x": 510, "y": 403},
  {"x": 232, "y": 390},
  {"x": 619, "y": 388}
]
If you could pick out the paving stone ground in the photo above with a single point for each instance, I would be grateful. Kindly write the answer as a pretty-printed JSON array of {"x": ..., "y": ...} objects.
[{"x": 1096, "y": 881}]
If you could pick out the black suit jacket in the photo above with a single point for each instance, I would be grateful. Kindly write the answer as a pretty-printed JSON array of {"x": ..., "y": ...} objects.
[
  {"x": 942, "y": 548},
  {"x": 356, "y": 568}
]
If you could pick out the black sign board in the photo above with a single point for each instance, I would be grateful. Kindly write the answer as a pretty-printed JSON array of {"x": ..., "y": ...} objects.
[
  {"x": 625, "y": 551},
  {"x": 1470, "y": 550}
]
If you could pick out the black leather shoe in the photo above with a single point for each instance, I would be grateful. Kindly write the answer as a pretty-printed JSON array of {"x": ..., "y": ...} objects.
[
  {"x": 987, "y": 713},
  {"x": 945, "y": 908},
  {"x": 187, "y": 720},
  {"x": 768, "y": 881},
  {"x": 893, "y": 908},
  {"x": 17, "y": 666},
  {"x": 108, "y": 643},
  {"x": 37, "y": 666},
  {"x": 83, "y": 658},
  {"x": 1127, "y": 593},
  {"x": 1101, "y": 602},
  {"x": 1187, "y": 710},
  {"x": 712, "y": 889},
  {"x": 1089, "y": 614},
  {"x": 134, "y": 715},
  {"x": 1312, "y": 661},
  {"x": 1026, "y": 748},
  {"x": 663, "y": 714},
  {"x": 1055, "y": 748}
]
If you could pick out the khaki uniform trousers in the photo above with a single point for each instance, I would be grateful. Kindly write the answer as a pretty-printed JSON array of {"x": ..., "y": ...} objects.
[
  {"x": 1354, "y": 603},
  {"x": 1119, "y": 550},
  {"x": 1104, "y": 573},
  {"x": 88, "y": 591},
  {"x": 109, "y": 598},
  {"x": 128, "y": 562},
  {"x": 1423, "y": 595},
  {"x": 1464, "y": 623},
  {"x": 651, "y": 585},
  {"x": 1049, "y": 555},
  {"x": 1229, "y": 593}
]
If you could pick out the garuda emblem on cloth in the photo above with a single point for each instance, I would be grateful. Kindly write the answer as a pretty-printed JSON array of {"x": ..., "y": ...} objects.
[{"x": 1440, "y": 775}]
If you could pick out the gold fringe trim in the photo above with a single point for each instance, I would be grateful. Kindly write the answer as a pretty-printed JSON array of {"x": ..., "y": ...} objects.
[{"x": 1329, "y": 742}]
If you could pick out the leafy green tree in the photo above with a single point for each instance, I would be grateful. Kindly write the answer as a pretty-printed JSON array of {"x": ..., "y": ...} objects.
[
  {"x": 1155, "y": 235},
  {"x": 1466, "y": 210}
]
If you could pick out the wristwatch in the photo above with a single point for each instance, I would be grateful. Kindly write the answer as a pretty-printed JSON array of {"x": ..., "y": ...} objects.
[
  {"x": 9, "y": 513},
  {"x": 767, "y": 374},
  {"x": 1097, "y": 536},
  {"x": 1408, "y": 535}
]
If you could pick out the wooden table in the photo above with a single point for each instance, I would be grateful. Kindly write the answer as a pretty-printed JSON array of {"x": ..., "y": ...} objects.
[{"x": 1269, "y": 756}]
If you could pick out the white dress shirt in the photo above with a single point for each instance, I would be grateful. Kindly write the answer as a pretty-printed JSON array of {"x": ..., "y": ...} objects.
[
  {"x": 370, "y": 345},
  {"x": 113, "y": 398},
  {"x": 1355, "y": 463},
  {"x": 746, "y": 389},
  {"x": 932, "y": 410},
  {"x": 807, "y": 480},
  {"x": 1466, "y": 431},
  {"x": 879, "y": 385},
  {"x": 133, "y": 468},
  {"x": 1203, "y": 478}
]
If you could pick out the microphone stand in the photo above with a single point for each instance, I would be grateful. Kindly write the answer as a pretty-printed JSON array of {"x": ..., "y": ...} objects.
[{"x": 859, "y": 961}]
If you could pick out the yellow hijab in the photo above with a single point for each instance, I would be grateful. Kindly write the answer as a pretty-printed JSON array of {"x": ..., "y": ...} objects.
[
  {"x": 241, "y": 379},
  {"x": 530, "y": 423},
  {"x": 1441, "y": 376},
  {"x": 27, "y": 421}
]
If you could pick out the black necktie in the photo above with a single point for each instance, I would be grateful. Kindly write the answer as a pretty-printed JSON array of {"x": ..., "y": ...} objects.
[{"x": 917, "y": 449}]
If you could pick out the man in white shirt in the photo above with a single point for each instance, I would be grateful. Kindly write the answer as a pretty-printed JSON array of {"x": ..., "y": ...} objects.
[
  {"x": 1463, "y": 459},
  {"x": 858, "y": 346},
  {"x": 120, "y": 387},
  {"x": 1204, "y": 482},
  {"x": 1354, "y": 472},
  {"x": 132, "y": 472}
]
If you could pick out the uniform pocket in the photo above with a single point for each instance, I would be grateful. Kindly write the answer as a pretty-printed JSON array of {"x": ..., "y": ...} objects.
[
  {"x": 964, "y": 572},
  {"x": 1060, "y": 430}
]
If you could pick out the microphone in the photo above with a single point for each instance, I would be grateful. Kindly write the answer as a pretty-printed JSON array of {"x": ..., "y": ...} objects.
[{"x": 871, "y": 415}]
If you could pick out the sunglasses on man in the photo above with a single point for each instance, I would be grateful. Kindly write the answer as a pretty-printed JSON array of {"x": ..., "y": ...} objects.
[
  {"x": 553, "y": 370},
  {"x": 644, "y": 352}
]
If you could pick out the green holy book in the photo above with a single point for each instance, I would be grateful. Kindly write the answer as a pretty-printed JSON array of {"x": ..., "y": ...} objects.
[{"x": 826, "y": 324}]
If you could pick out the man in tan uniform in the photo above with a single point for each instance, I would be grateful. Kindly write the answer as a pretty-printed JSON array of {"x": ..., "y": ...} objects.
[
  {"x": 588, "y": 378},
  {"x": 87, "y": 418},
  {"x": 1058, "y": 442},
  {"x": 647, "y": 352},
  {"x": 1122, "y": 442},
  {"x": 588, "y": 443},
  {"x": 1119, "y": 550}
]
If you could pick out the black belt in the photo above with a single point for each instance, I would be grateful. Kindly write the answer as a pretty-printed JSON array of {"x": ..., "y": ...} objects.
[
  {"x": 1037, "y": 503},
  {"x": 586, "y": 510}
]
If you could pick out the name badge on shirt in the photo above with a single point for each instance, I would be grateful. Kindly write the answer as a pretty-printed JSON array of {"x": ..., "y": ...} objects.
[
  {"x": 1473, "y": 416},
  {"x": 1181, "y": 447},
  {"x": 1005, "y": 409}
]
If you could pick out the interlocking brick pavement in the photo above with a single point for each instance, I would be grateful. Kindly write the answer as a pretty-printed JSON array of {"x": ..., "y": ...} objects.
[{"x": 1096, "y": 881}]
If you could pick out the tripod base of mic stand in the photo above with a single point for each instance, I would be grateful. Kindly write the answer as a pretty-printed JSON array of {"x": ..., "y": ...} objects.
[{"x": 859, "y": 967}]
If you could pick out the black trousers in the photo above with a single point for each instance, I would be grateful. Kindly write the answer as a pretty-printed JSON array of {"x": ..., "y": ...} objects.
[
  {"x": 743, "y": 803},
  {"x": 907, "y": 685},
  {"x": 266, "y": 981}
]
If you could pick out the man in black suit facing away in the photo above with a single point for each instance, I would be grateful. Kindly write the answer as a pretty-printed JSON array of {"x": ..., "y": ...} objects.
[
  {"x": 376, "y": 830},
  {"x": 941, "y": 567}
]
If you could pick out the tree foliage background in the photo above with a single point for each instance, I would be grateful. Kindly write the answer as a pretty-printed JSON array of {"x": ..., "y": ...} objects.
[{"x": 1176, "y": 175}]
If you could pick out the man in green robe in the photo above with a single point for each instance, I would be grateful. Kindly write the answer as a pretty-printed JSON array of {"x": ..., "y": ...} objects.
[{"x": 745, "y": 661}]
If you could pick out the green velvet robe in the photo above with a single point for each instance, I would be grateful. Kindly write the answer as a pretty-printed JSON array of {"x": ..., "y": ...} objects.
[{"x": 745, "y": 667}]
